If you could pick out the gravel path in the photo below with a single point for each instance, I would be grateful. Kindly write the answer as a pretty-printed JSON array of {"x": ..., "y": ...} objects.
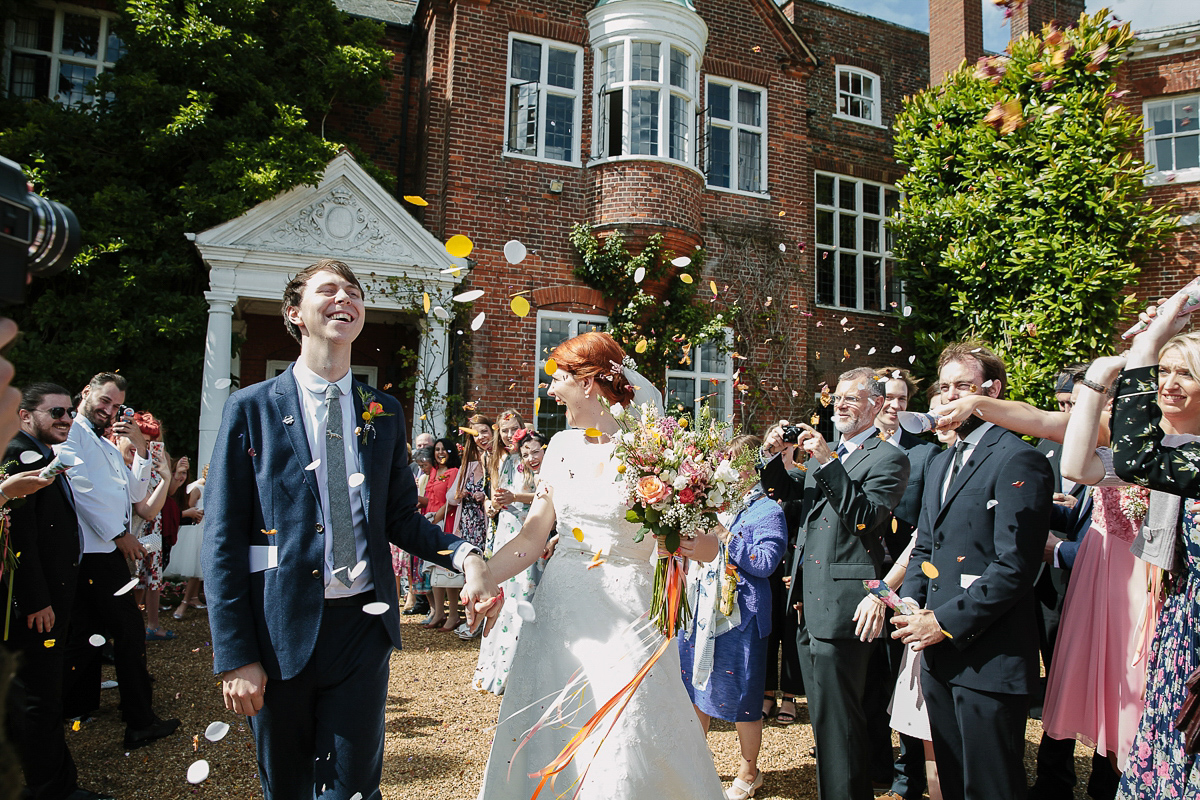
[{"x": 437, "y": 730}]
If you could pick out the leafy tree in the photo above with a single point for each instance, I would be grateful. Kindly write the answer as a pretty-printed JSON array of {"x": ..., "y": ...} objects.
[
  {"x": 658, "y": 319},
  {"x": 1024, "y": 210},
  {"x": 214, "y": 107}
]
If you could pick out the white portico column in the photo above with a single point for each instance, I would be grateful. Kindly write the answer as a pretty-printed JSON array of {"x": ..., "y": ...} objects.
[
  {"x": 433, "y": 365},
  {"x": 215, "y": 389}
]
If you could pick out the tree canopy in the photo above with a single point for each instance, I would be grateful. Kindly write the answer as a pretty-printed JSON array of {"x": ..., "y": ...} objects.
[
  {"x": 1024, "y": 211},
  {"x": 213, "y": 108}
]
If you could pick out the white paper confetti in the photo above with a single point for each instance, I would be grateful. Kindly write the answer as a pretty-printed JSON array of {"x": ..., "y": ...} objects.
[
  {"x": 1050, "y": 454},
  {"x": 375, "y": 609},
  {"x": 871, "y": 352},
  {"x": 223, "y": 383},
  {"x": 991, "y": 503},
  {"x": 216, "y": 731},
  {"x": 477, "y": 323},
  {"x": 897, "y": 349},
  {"x": 124, "y": 589},
  {"x": 96, "y": 640},
  {"x": 514, "y": 251},
  {"x": 986, "y": 384},
  {"x": 357, "y": 570},
  {"x": 525, "y": 610},
  {"x": 81, "y": 484},
  {"x": 681, "y": 261},
  {"x": 198, "y": 772},
  {"x": 908, "y": 311},
  {"x": 467, "y": 297},
  {"x": 30, "y": 456},
  {"x": 316, "y": 463},
  {"x": 911, "y": 359},
  {"x": 441, "y": 313},
  {"x": 356, "y": 479},
  {"x": 638, "y": 274}
]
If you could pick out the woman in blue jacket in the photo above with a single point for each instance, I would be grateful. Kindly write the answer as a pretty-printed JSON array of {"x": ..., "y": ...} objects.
[{"x": 724, "y": 651}]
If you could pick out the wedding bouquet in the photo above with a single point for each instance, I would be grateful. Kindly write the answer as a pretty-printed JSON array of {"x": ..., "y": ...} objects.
[{"x": 678, "y": 475}]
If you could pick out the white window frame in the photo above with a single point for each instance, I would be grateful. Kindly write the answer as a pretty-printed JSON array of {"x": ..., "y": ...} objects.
[
  {"x": 734, "y": 127},
  {"x": 368, "y": 375},
  {"x": 837, "y": 250},
  {"x": 601, "y": 121},
  {"x": 876, "y": 119},
  {"x": 57, "y": 59},
  {"x": 1156, "y": 176},
  {"x": 545, "y": 89},
  {"x": 703, "y": 380},
  {"x": 540, "y": 377}
]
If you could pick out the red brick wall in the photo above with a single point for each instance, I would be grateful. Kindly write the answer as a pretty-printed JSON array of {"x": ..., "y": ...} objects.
[
  {"x": 955, "y": 34},
  {"x": 1030, "y": 16}
]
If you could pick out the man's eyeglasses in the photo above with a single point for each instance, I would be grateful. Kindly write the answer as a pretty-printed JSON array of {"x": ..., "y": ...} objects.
[{"x": 58, "y": 412}]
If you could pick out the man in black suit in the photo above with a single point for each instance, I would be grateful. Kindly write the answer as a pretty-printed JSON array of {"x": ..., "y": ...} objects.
[
  {"x": 45, "y": 532},
  {"x": 848, "y": 497},
  {"x": 981, "y": 534},
  {"x": 907, "y": 776}
]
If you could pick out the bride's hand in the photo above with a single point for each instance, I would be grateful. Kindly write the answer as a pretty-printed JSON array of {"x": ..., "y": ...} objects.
[
  {"x": 704, "y": 547},
  {"x": 550, "y": 545}
]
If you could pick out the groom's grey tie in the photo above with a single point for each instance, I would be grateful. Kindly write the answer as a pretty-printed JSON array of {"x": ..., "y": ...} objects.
[{"x": 337, "y": 487}]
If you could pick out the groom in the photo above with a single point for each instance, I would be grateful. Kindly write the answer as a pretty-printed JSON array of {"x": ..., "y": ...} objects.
[{"x": 308, "y": 483}]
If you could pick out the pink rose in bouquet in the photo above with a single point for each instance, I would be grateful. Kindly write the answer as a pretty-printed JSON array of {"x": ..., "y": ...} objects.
[{"x": 651, "y": 490}]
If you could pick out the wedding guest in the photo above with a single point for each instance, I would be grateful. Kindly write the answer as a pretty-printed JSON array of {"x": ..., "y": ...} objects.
[
  {"x": 410, "y": 574},
  {"x": 185, "y": 556},
  {"x": 469, "y": 493},
  {"x": 421, "y": 441},
  {"x": 441, "y": 513},
  {"x": 723, "y": 656},
  {"x": 497, "y": 650},
  {"x": 848, "y": 499},
  {"x": 907, "y": 774},
  {"x": 1160, "y": 379},
  {"x": 783, "y": 660},
  {"x": 104, "y": 490},
  {"x": 148, "y": 523},
  {"x": 981, "y": 532}
]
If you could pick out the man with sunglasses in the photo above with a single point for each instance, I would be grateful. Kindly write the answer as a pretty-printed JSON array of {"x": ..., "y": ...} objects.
[{"x": 46, "y": 532}]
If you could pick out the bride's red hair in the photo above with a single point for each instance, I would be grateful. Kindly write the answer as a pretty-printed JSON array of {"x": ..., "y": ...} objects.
[{"x": 596, "y": 355}]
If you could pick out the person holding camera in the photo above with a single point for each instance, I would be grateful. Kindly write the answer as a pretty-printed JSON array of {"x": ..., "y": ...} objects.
[
  {"x": 105, "y": 491},
  {"x": 848, "y": 495}
]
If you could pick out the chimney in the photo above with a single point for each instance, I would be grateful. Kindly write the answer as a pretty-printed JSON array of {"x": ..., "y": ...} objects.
[
  {"x": 1031, "y": 15},
  {"x": 955, "y": 35}
]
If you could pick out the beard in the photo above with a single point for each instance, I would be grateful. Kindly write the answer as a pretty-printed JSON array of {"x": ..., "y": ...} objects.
[{"x": 967, "y": 425}]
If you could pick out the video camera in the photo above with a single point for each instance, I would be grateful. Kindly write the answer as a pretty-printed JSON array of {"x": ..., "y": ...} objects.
[{"x": 37, "y": 236}]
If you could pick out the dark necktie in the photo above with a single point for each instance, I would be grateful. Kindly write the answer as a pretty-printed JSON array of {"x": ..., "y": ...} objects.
[
  {"x": 841, "y": 450},
  {"x": 960, "y": 447},
  {"x": 337, "y": 486}
]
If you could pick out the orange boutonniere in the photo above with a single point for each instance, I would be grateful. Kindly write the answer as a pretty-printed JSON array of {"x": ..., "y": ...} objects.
[{"x": 372, "y": 409}]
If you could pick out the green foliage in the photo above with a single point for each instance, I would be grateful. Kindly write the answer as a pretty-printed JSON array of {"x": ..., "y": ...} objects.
[
  {"x": 1024, "y": 209},
  {"x": 670, "y": 322},
  {"x": 215, "y": 107}
]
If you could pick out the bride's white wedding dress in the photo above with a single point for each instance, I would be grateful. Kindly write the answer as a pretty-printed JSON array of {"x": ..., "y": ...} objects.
[{"x": 590, "y": 633}]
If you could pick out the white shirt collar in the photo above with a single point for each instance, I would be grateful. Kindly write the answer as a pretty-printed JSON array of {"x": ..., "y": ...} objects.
[
  {"x": 314, "y": 383},
  {"x": 856, "y": 441},
  {"x": 974, "y": 436}
]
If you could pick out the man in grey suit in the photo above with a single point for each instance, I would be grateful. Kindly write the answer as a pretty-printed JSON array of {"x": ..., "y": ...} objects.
[{"x": 847, "y": 497}]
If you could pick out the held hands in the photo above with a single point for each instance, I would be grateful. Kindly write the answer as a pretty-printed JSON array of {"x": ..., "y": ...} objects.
[
  {"x": 24, "y": 484},
  {"x": 480, "y": 594},
  {"x": 920, "y": 630},
  {"x": 869, "y": 617},
  {"x": 243, "y": 689},
  {"x": 550, "y": 546},
  {"x": 703, "y": 547}
]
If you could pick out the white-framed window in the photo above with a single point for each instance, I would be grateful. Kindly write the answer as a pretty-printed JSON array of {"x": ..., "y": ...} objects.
[
  {"x": 858, "y": 95},
  {"x": 367, "y": 375},
  {"x": 544, "y": 102},
  {"x": 554, "y": 328},
  {"x": 57, "y": 52},
  {"x": 701, "y": 376},
  {"x": 646, "y": 104},
  {"x": 854, "y": 246},
  {"x": 1173, "y": 138},
  {"x": 736, "y": 150}
]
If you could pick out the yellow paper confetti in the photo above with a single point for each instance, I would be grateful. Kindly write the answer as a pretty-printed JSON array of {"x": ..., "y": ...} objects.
[
  {"x": 519, "y": 306},
  {"x": 416, "y": 200},
  {"x": 459, "y": 246},
  {"x": 929, "y": 569},
  {"x": 467, "y": 431},
  {"x": 537, "y": 404},
  {"x": 685, "y": 278},
  {"x": 713, "y": 285},
  {"x": 75, "y": 725},
  {"x": 814, "y": 420},
  {"x": 551, "y": 367},
  {"x": 595, "y": 433},
  {"x": 445, "y": 552},
  {"x": 425, "y": 301},
  {"x": 640, "y": 347},
  {"x": 48, "y": 643},
  {"x": 577, "y": 533}
]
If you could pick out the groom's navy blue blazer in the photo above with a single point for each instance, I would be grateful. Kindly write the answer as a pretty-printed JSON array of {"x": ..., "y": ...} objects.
[{"x": 259, "y": 493}]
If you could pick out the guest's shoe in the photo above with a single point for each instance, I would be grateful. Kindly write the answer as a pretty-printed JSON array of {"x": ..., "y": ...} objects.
[
  {"x": 159, "y": 634},
  {"x": 465, "y": 633},
  {"x": 786, "y": 717},
  {"x": 741, "y": 790},
  {"x": 180, "y": 611},
  {"x": 88, "y": 794},
  {"x": 140, "y": 737}
]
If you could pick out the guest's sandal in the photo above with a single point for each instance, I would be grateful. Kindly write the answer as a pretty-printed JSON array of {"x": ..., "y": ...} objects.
[
  {"x": 785, "y": 717},
  {"x": 769, "y": 707},
  {"x": 159, "y": 634},
  {"x": 742, "y": 790}
]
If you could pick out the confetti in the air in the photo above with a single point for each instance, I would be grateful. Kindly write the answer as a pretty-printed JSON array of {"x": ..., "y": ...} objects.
[
  {"x": 441, "y": 313},
  {"x": 525, "y": 610},
  {"x": 577, "y": 533},
  {"x": 477, "y": 323},
  {"x": 992, "y": 503},
  {"x": 30, "y": 456},
  {"x": 514, "y": 251},
  {"x": 681, "y": 261},
  {"x": 459, "y": 246},
  {"x": 375, "y": 609},
  {"x": 638, "y": 274},
  {"x": 96, "y": 640},
  {"x": 425, "y": 301},
  {"x": 551, "y": 367},
  {"x": 126, "y": 588},
  {"x": 467, "y": 297},
  {"x": 316, "y": 463},
  {"x": 356, "y": 479},
  {"x": 929, "y": 569},
  {"x": 416, "y": 200},
  {"x": 640, "y": 347},
  {"x": 356, "y": 570},
  {"x": 223, "y": 383},
  {"x": 897, "y": 349},
  {"x": 519, "y": 306},
  {"x": 685, "y": 277}
]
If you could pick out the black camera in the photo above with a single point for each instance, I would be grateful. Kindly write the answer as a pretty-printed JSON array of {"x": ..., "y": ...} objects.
[
  {"x": 791, "y": 433},
  {"x": 37, "y": 236}
]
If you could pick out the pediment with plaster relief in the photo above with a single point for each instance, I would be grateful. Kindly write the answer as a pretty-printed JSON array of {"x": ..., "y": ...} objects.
[{"x": 339, "y": 224}]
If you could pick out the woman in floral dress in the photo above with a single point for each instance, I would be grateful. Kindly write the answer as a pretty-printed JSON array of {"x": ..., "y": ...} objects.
[
  {"x": 1162, "y": 379},
  {"x": 469, "y": 493},
  {"x": 497, "y": 651}
]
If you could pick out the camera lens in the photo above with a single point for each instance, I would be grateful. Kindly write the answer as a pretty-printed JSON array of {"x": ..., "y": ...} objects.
[{"x": 55, "y": 237}]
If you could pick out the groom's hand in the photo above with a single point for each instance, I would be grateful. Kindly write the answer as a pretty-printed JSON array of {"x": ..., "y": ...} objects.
[
  {"x": 243, "y": 688},
  {"x": 480, "y": 594}
]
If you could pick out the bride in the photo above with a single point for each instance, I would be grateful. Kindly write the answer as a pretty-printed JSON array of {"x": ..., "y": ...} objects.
[{"x": 586, "y": 634}]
